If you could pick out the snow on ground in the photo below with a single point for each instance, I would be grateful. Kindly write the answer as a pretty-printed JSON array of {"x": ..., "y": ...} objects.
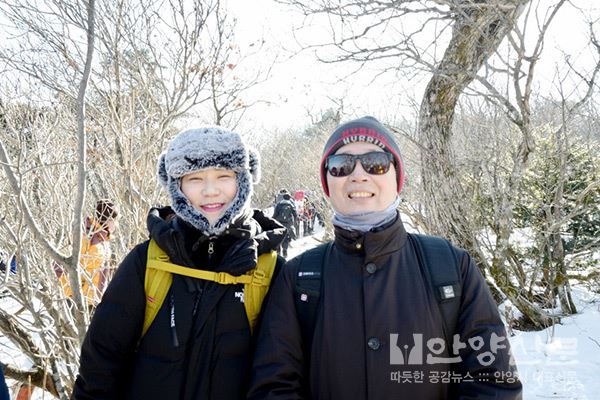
[
  {"x": 300, "y": 245},
  {"x": 563, "y": 362}
]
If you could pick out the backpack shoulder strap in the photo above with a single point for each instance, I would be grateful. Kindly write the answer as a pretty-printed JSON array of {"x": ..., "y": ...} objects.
[
  {"x": 441, "y": 266},
  {"x": 307, "y": 293},
  {"x": 256, "y": 290},
  {"x": 159, "y": 278},
  {"x": 156, "y": 284}
]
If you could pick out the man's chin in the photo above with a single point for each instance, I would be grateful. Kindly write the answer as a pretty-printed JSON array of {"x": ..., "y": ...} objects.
[{"x": 359, "y": 210}]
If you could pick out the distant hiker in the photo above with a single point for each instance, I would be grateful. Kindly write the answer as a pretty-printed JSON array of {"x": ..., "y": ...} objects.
[
  {"x": 285, "y": 213},
  {"x": 279, "y": 195},
  {"x": 95, "y": 252},
  {"x": 379, "y": 313},
  {"x": 309, "y": 214},
  {"x": 176, "y": 320}
]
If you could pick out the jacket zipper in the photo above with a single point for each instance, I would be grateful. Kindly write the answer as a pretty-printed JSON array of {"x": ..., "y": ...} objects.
[
  {"x": 199, "y": 287},
  {"x": 199, "y": 291},
  {"x": 211, "y": 250}
]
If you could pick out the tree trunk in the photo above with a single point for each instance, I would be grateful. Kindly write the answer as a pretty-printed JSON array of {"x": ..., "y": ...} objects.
[
  {"x": 74, "y": 278},
  {"x": 478, "y": 31}
]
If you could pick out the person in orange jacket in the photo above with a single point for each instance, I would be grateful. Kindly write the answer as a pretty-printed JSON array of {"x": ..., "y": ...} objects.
[{"x": 95, "y": 252}]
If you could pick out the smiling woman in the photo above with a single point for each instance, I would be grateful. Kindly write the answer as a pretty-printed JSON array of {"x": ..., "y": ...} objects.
[
  {"x": 211, "y": 191},
  {"x": 176, "y": 321}
]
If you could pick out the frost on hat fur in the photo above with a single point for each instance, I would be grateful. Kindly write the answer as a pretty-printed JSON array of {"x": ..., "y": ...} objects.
[{"x": 209, "y": 147}]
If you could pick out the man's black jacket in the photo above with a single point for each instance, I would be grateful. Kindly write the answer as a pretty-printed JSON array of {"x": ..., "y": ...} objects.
[{"x": 362, "y": 310}]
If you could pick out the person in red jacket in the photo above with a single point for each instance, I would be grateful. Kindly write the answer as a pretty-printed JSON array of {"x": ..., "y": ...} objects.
[{"x": 377, "y": 329}]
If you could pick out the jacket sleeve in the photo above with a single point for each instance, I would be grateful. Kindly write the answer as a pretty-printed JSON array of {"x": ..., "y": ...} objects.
[
  {"x": 278, "y": 361},
  {"x": 108, "y": 349},
  {"x": 486, "y": 363}
]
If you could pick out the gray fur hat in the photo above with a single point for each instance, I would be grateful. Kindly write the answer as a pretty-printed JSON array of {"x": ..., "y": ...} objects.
[{"x": 195, "y": 149}]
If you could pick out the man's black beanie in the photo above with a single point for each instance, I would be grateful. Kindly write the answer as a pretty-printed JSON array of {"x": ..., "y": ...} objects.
[{"x": 366, "y": 129}]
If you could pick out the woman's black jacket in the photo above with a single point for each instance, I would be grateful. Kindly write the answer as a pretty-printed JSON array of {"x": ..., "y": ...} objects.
[{"x": 199, "y": 345}]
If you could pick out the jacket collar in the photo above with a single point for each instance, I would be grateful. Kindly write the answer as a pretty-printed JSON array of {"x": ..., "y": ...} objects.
[
  {"x": 180, "y": 240},
  {"x": 375, "y": 243}
]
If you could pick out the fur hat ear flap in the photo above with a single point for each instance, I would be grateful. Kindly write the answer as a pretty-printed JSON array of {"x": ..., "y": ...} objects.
[
  {"x": 254, "y": 163},
  {"x": 163, "y": 177}
]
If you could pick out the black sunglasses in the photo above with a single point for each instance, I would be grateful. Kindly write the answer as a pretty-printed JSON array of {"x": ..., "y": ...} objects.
[{"x": 374, "y": 163}]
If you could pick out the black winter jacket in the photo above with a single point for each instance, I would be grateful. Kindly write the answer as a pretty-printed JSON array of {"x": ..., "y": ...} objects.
[
  {"x": 361, "y": 310},
  {"x": 207, "y": 354}
]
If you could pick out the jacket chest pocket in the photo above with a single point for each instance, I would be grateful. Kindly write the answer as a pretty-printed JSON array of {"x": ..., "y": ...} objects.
[{"x": 232, "y": 330}]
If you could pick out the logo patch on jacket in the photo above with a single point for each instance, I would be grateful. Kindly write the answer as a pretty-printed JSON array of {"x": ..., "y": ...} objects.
[{"x": 240, "y": 295}]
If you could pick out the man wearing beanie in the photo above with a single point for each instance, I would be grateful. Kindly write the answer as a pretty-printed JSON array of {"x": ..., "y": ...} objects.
[
  {"x": 198, "y": 344},
  {"x": 379, "y": 313}
]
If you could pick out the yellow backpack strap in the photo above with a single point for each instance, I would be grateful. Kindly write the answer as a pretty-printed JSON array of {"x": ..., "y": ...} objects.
[
  {"x": 156, "y": 283},
  {"x": 220, "y": 277},
  {"x": 159, "y": 278},
  {"x": 256, "y": 290}
]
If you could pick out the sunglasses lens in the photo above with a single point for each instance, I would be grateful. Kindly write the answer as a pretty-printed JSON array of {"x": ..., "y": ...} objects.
[
  {"x": 376, "y": 163},
  {"x": 340, "y": 164}
]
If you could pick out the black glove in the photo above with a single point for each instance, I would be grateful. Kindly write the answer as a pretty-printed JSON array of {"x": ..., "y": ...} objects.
[{"x": 240, "y": 257}]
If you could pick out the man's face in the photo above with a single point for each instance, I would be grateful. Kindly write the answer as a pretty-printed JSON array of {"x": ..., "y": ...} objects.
[
  {"x": 210, "y": 191},
  {"x": 361, "y": 192}
]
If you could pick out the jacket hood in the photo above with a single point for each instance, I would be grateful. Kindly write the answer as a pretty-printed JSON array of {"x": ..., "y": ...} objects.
[{"x": 208, "y": 147}]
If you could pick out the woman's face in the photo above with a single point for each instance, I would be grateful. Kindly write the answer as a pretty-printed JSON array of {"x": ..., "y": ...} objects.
[{"x": 210, "y": 191}]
